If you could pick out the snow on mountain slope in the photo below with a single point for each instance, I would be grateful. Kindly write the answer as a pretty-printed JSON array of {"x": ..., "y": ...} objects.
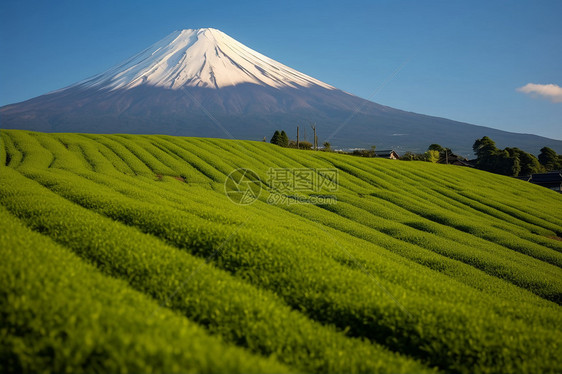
[
  {"x": 199, "y": 58},
  {"x": 204, "y": 83}
]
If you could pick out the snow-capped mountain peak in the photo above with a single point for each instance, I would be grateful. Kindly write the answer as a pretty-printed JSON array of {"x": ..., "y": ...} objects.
[
  {"x": 199, "y": 58},
  {"x": 232, "y": 90}
]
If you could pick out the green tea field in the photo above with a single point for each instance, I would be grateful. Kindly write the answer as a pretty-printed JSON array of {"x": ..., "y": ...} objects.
[{"x": 146, "y": 253}]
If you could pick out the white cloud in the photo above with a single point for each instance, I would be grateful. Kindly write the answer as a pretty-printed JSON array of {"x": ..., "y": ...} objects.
[{"x": 551, "y": 92}]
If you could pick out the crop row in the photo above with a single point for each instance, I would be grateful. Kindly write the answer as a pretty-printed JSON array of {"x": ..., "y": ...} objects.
[
  {"x": 238, "y": 312},
  {"x": 382, "y": 264},
  {"x": 454, "y": 336},
  {"x": 60, "y": 314}
]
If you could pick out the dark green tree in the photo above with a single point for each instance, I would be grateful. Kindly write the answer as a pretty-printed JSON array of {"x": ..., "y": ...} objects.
[
  {"x": 487, "y": 155},
  {"x": 435, "y": 147},
  {"x": 492, "y": 159},
  {"x": 276, "y": 138},
  {"x": 508, "y": 164},
  {"x": 484, "y": 147},
  {"x": 283, "y": 139},
  {"x": 549, "y": 159},
  {"x": 529, "y": 164}
]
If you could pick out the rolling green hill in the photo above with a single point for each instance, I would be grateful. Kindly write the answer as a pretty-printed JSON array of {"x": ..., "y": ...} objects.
[{"x": 129, "y": 253}]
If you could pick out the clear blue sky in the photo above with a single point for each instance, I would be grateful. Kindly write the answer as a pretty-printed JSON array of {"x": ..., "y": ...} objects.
[{"x": 463, "y": 60}]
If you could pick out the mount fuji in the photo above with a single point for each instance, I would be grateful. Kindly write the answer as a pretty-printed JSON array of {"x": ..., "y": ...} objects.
[{"x": 202, "y": 82}]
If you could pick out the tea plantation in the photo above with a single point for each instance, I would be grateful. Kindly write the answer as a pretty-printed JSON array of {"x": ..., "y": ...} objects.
[{"x": 129, "y": 253}]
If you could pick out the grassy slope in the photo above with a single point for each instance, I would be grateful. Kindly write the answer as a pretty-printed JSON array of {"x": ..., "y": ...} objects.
[{"x": 417, "y": 267}]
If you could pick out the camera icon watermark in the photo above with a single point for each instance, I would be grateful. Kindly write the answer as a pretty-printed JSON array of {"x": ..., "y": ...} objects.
[
  {"x": 285, "y": 185},
  {"x": 242, "y": 186}
]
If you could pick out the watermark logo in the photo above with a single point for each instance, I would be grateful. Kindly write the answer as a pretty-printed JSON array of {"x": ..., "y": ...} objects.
[
  {"x": 290, "y": 180},
  {"x": 285, "y": 185},
  {"x": 242, "y": 186},
  {"x": 283, "y": 199}
]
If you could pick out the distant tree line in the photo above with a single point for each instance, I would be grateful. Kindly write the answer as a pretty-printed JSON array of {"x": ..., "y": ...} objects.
[
  {"x": 281, "y": 139},
  {"x": 550, "y": 160},
  {"x": 507, "y": 161},
  {"x": 513, "y": 161},
  {"x": 435, "y": 153},
  {"x": 365, "y": 152}
]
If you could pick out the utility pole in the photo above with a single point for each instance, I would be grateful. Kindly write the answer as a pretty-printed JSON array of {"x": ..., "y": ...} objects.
[
  {"x": 298, "y": 137},
  {"x": 315, "y": 147}
]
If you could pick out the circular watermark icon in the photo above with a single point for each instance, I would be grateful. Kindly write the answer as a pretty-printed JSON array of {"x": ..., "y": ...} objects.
[{"x": 242, "y": 186}]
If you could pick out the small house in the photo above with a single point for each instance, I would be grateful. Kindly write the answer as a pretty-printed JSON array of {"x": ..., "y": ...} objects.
[{"x": 552, "y": 180}]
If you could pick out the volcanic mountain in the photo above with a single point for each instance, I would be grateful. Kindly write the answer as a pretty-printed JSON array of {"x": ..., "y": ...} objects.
[{"x": 204, "y": 83}]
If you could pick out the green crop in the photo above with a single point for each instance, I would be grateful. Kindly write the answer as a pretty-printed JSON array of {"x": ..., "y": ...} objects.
[
  {"x": 60, "y": 314},
  {"x": 416, "y": 267}
]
